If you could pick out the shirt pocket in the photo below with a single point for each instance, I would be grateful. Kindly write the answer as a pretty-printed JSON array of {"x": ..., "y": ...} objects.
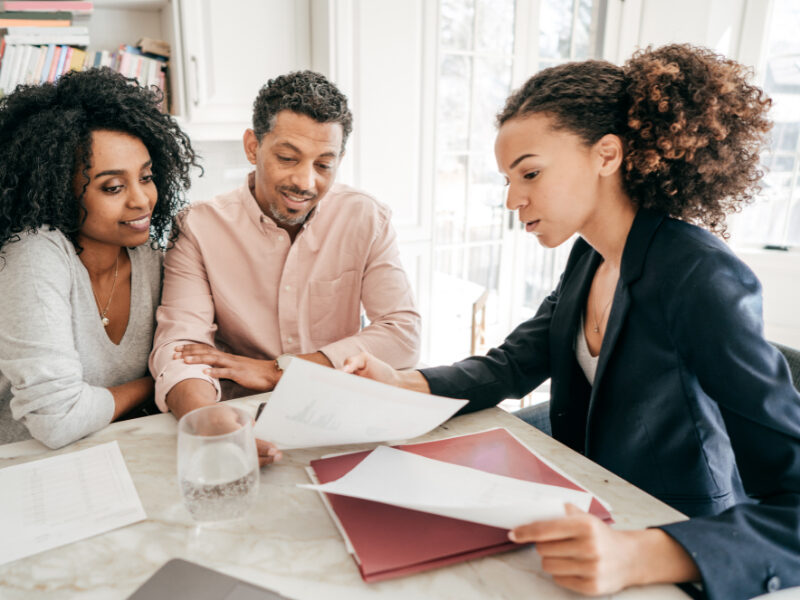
[{"x": 334, "y": 308}]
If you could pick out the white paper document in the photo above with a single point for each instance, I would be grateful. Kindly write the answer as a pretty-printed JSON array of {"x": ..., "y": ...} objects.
[
  {"x": 315, "y": 406},
  {"x": 55, "y": 501},
  {"x": 411, "y": 481}
]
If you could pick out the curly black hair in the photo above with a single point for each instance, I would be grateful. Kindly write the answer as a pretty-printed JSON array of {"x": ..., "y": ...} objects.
[
  {"x": 691, "y": 124},
  {"x": 45, "y": 141},
  {"x": 304, "y": 92}
]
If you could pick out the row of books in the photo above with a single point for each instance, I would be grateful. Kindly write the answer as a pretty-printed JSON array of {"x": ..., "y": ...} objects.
[{"x": 30, "y": 64}]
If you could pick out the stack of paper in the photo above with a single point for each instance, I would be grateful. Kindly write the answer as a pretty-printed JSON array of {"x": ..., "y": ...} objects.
[{"x": 55, "y": 501}]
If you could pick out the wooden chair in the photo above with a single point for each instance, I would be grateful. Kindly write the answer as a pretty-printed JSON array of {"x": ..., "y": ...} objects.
[{"x": 478, "y": 338}]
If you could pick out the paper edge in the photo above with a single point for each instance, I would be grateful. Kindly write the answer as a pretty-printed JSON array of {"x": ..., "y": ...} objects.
[{"x": 347, "y": 544}]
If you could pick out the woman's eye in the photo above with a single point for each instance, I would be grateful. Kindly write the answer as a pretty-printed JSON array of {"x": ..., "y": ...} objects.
[
  {"x": 112, "y": 189},
  {"x": 506, "y": 181},
  {"x": 147, "y": 178},
  {"x": 531, "y": 175}
]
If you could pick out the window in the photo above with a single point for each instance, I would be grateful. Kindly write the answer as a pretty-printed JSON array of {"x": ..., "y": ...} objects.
[
  {"x": 480, "y": 61},
  {"x": 775, "y": 218}
]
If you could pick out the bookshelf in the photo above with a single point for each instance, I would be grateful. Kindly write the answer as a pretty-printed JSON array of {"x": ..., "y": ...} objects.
[{"x": 222, "y": 52}]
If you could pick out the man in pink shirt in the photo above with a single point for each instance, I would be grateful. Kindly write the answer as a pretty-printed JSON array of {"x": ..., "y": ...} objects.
[{"x": 283, "y": 264}]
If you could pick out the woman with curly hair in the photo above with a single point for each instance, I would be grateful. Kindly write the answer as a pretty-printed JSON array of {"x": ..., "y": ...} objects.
[
  {"x": 653, "y": 337},
  {"x": 90, "y": 172}
]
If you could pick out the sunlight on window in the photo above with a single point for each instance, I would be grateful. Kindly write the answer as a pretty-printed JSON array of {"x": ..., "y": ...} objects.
[{"x": 775, "y": 218}]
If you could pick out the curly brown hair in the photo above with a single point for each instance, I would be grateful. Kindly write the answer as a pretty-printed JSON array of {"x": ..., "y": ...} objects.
[{"x": 691, "y": 124}]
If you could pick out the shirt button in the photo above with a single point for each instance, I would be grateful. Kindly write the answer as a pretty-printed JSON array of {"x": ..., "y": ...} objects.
[
  {"x": 290, "y": 339},
  {"x": 773, "y": 584},
  {"x": 287, "y": 287}
]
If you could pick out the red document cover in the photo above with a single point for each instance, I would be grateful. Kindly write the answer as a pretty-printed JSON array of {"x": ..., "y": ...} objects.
[{"x": 389, "y": 541}]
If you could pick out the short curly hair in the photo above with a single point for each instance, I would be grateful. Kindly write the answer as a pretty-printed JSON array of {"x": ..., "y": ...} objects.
[
  {"x": 304, "y": 92},
  {"x": 45, "y": 141},
  {"x": 691, "y": 124}
]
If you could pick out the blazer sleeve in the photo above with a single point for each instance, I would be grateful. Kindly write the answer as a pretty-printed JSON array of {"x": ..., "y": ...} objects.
[
  {"x": 37, "y": 348},
  {"x": 715, "y": 313}
]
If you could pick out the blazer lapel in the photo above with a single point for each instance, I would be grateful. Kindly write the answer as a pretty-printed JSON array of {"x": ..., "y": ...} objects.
[
  {"x": 570, "y": 390},
  {"x": 633, "y": 257}
]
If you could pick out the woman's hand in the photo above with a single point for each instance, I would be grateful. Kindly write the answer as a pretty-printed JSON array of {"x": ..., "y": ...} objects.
[
  {"x": 251, "y": 373},
  {"x": 584, "y": 554},
  {"x": 366, "y": 365}
]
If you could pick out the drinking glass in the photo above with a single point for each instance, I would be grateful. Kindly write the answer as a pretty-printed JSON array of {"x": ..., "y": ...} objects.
[{"x": 217, "y": 462}]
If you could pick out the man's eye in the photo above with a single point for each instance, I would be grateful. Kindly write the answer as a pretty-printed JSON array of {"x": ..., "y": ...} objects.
[
  {"x": 324, "y": 166},
  {"x": 285, "y": 159}
]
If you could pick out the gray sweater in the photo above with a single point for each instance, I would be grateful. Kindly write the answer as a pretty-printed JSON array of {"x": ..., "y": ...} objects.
[{"x": 56, "y": 360}]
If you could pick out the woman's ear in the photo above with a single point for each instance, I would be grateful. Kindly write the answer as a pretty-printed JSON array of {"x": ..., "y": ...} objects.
[{"x": 609, "y": 153}]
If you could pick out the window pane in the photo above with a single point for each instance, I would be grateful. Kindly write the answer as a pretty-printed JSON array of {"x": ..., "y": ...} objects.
[
  {"x": 765, "y": 222},
  {"x": 586, "y": 29},
  {"x": 785, "y": 135},
  {"x": 493, "y": 76},
  {"x": 454, "y": 95},
  {"x": 555, "y": 28},
  {"x": 496, "y": 26},
  {"x": 451, "y": 193},
  {"x": 457, "y": 24},
  {"x": 486, "y": 199}
]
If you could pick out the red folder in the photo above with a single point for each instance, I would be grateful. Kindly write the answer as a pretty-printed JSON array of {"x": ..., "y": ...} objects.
[{"x": 389, "y": 541}]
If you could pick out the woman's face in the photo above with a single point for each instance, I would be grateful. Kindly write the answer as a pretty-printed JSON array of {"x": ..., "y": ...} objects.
[
  {"x": 552, "y": 177},
  {"x": 120, "y": 196}
]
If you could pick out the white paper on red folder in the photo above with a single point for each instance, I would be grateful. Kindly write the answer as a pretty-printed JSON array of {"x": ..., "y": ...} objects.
[
  {"x": 316, "y": 406},
  {"x": 419, "y": 483}
]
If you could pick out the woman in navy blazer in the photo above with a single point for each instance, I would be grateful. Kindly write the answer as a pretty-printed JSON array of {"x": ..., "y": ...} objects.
[{"x": 653, "y": 337}]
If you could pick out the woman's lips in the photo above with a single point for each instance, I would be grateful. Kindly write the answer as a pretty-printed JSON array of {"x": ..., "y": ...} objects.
[
  {"x": 139, "y": 224},
  {"x": 530, "y": 226}
]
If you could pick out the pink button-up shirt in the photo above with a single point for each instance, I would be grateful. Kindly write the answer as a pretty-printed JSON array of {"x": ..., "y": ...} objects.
[{"x": 234, "y": 280}]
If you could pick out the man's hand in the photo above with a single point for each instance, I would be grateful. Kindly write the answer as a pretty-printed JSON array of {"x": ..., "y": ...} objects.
[
  {"x": 251, "y": 373},
  {"x": 584, "y": 554}
]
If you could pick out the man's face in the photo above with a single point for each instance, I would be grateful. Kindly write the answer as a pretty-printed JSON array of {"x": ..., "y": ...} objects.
[{"x": 296, "y": 164}]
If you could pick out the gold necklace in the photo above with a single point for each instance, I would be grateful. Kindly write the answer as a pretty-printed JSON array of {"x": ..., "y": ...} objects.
[
  {"x": 602, "y": 314},
  {"x": 104, "y": 311}
]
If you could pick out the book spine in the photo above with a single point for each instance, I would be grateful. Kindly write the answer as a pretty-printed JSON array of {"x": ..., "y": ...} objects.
[
  {"x": 66, "y": 60},
  {"x": 48, "y": 60},
  {"x": 51, "y": 76}
]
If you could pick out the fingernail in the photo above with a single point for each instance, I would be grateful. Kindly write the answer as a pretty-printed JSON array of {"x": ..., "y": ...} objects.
[
  {"x": 512, "y": 536},
  {"x": 189, "y": 359},
  {"x": 178, "y": 348}
]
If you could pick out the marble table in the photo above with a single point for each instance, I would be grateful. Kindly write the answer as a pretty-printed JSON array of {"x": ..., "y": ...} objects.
[{"x": 288, "y": 542}]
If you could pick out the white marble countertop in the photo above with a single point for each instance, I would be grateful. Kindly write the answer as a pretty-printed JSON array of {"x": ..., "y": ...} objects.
[{"x": 288, "y": 541}]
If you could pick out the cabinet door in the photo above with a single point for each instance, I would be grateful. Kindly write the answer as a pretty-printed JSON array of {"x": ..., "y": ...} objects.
[{"x": 232, "y": 48}]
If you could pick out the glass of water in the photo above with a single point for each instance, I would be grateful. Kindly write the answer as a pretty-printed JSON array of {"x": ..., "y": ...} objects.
[{"x": 217, "y": 462}]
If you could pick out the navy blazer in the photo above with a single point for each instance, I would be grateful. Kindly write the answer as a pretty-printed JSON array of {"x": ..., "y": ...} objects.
[{"x": 690, "y": 402}]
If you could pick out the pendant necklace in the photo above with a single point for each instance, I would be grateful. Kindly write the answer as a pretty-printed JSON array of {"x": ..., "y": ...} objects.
[
  {"x": 602, "y": 314},
  {"x": 103, "y": 312}
]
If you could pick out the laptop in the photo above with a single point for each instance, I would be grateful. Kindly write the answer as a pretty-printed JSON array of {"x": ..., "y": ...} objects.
[{"x": 180, "y": 579}]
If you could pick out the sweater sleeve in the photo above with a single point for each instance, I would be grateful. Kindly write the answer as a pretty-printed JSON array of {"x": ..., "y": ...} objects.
[
  {"x": 37, "y": 350},
  {"x": 752, "y": 547}
]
